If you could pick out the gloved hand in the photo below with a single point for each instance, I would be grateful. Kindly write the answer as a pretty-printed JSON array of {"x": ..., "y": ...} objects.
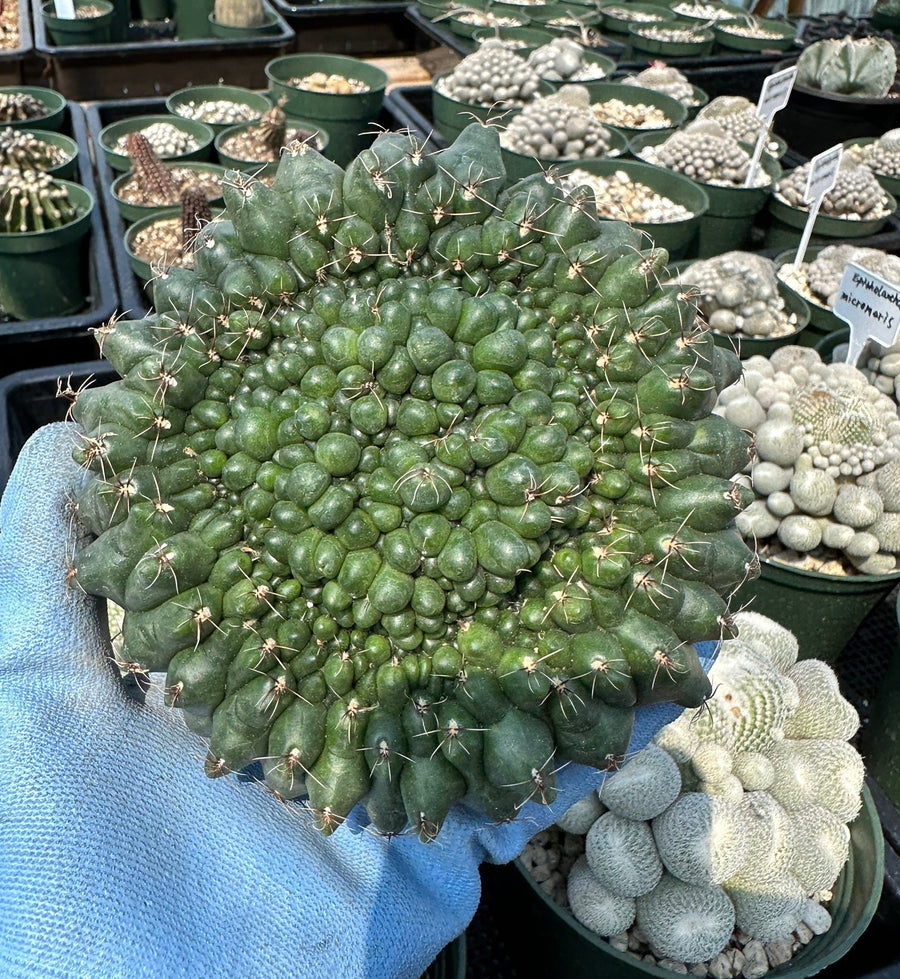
[{"x": 120, "y": 858}]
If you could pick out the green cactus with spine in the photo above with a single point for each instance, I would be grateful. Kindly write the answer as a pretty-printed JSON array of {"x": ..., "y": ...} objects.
[
  {"x": 412, "y": 486},
  {"x": 864, "y": 67},
  {"x": 240, "y": 13},
  {"x": 26, "y": 151}
]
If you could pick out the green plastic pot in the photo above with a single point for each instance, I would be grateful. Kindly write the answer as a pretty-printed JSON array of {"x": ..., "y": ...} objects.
[
  {"x": 269, "y": 25},
  {"x": 110, "y": 135},
  {"x": 890, "y": 184},
  {"x": 192, "y": 18},
  {"x": 700, "y": 19},
  {"x": 675, "y": 111},
  {"x": 141, "y": 268},
  {"x": 54, "y": 103},
  {"x": 615, "y": 19},
  {"x": 155, "y": 9},
  {"x": 66, "y": 169},
  {"x": 519, "y": 165},
  {"x": 64, "y": 31},
  {"x": 787, "y": 35},
  {"x": 786, "y": 226},
  {"x": 256, "y": 166},
  {"x": 822, "y": 321},
  {"x": 748, "y": 346},
  {"x": 345, "y": 117},
  {"x": 676, "y": 237},
  {"x": 44, "y": 273},
  {"x": 461, "y": 28},
  {"x": 135, "y": 212},
  {"x": 451, "y": 117},
  {"x": 823, "y": 611},
  {"x": 532, "y": 37},
  {"x": 701, "y": 44},
  {"x": 560, "y": 946},
  {"x": 728, "y": 223},
  {"x": 231, "y": 93}
]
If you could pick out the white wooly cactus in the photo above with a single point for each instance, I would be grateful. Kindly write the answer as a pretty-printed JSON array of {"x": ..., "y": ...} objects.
[
  {"x": 579, "y": 818},
  {"x": 622, "y": 855},
  {"x": 649, "y": 783},
  {"x": 593, "y": 905},
  {"x": 686, "y": 922},
  {"x": 827, "y": 477},
  {"x": 768, "y": 783}
]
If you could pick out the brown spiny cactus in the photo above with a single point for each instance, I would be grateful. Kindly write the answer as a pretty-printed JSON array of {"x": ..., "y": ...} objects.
[
  {"x": 152, "y": 174},
  {"x": 195, "y": 213}
]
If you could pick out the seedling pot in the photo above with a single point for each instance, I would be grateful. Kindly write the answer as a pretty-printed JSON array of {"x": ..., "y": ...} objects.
[
  {"x": 55, "y": 105},
  {"x": 44, "y": 273},
  {"x": 231, "y": 93},
  {"x": 89, "y": 30},
  {"x": 110, "y": 135},
  {"x": 134, "y": 212}
]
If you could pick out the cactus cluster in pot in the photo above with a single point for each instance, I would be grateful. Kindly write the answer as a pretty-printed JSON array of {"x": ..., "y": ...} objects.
[
  {"x": 412, "y": 487},
  {"x": 729, "y": 831},
  {"x": 827, "y": 472}
]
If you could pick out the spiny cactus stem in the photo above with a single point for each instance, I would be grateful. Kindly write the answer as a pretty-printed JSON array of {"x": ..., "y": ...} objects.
[
  {"x": 152, "y": 174},
  {"x": 195, "y": 214}
]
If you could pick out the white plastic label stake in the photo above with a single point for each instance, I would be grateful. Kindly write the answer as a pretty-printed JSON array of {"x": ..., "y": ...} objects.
[
  {"x": 870, "y": 306},
  {"x": 65, "y": 8},
  {"x": 776, "y": 91},
  {"x": 823, "y": 171}
]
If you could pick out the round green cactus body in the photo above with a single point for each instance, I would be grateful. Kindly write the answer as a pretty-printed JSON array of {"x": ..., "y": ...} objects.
[{"x": 380, "y": 485}]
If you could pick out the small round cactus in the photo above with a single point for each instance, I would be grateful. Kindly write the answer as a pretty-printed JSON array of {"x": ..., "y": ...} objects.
[
  {"x": 706, "y": 152},
  {"x": 492, "y": 75},
  {"x": 664, "y": 78},
  {"x": 856, "y": 194}
]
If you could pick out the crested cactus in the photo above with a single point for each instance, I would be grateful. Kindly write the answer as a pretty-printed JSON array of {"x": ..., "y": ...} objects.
[
  {"x": 418, "y": 484},
  {"x": 31, "y": 200},
  {"x": 240, "y": 13},
  {"x": 826, "y": 477},
  {"x": 760, "y": 859},
  {"x": 865, "y": 67}
]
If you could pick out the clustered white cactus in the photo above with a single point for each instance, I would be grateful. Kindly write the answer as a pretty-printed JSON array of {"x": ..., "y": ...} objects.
[
  {"x": 559, "y": 126},
  {"x": 882, "y": 156},
  {"x": 819, "y": 280},
  {"x": 735, "y": 817},
  {"x": 738, "y": 293},
  {"x": 563, "y": 60},
  {"x": 706, "y": 152},
  {"x": 855, "y": 196},
  {"x": 661, "y": 77},
  {"x": 492, "y": 74},
  {"x": 737, "y": 116},
  {"x": 827, "y": 472}
]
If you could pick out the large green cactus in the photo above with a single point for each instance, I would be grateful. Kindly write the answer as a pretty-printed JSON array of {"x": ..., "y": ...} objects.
[
  {"x": 412, "y": 484},
  {"x": 865, "y": 67}
]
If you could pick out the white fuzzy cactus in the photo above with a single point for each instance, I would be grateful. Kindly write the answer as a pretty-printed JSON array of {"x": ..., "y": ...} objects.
[{"x": 756, "y": 832}]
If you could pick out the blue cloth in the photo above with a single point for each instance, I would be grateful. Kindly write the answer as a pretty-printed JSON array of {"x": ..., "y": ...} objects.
[{"x": 120, "y": 858}]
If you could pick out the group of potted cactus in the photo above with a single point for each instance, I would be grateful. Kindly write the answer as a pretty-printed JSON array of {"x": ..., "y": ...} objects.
[{"x": 457, "y": 447}]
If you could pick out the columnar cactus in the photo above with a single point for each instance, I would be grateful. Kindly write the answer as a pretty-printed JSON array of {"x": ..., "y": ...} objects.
[
  {"x": 240, "y": 13},
  {"x": 417, "y": 482},
  {"x": 750, "y": 830},
  {"x": 152, "y": 174},
  {"x": 195, "y": 215},
  {"x": 31, "y": 200}
]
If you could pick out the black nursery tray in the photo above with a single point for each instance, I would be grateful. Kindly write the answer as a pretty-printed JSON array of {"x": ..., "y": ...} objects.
[
  {"x": 354, "y": 27},
  {"x": 134, "y": 301},
  {"x": 12, "y": 61},
  {"x": 148, "y": 66},
  {"x": 25, "y": 343}
]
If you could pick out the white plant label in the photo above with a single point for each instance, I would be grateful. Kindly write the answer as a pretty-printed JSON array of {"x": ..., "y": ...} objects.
[
  {"x": 776, "y": 90},
  {"x": 823, "y": 171},
  {"x": 870, "y": 306},
  {"x": 65, "y": 8}
]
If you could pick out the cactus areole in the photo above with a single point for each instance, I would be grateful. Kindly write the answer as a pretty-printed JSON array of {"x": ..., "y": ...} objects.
[{"x": 412, "y": 485}]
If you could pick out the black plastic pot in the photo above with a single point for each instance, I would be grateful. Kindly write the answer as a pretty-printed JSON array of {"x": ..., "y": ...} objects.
[
  {"x": 152, "y": 66},
  {"x": 353, "y": 27},
  {"x": 813, "y": 121},
  {"x": 32, "y": 341}
]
